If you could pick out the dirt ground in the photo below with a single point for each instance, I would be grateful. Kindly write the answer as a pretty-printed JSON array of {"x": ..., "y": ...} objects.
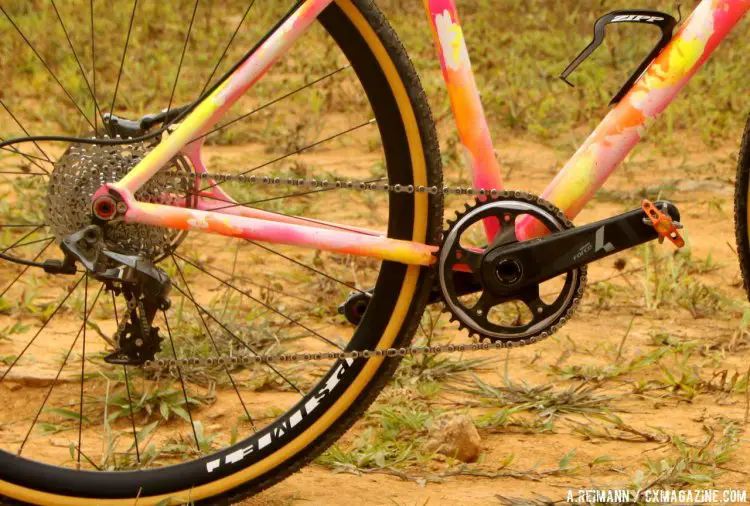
[
  {"x": 700, "y": 181},
  {"x": 704, "y": 192}
]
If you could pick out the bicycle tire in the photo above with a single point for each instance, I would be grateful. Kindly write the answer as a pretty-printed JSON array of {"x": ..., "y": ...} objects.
[{"x": 412, "y": 153}]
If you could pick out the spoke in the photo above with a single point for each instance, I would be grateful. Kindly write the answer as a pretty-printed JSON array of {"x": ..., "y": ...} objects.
[
  {"x": 299, "y": 194},
  {"x": 88, "y": 459},
  {"x": 213, "y": 341},
  {"x": 232, "y": 277},
  {"x": 26, "y": 132},
  {"x": 132, "y": 416},
  {"x": 44, "y": 325},
  {"x": 97, "y": 111},
  {"x": 122, "y": 61},
  {"x": 83, "y": 364},
  {"x": 127, "y": 387},
  {"x": 261, "y": 286},
  {"x": 32, "y": 159},
  {"x": 17, "y": 243},
  {"x": 182, "y": 57},
  {"x": 250, "y": 206},
  {"x": 258, "y": 301},
  {"x": 46, "y": 397},
  {"x": 26, "y": 268},
  {"x": 28, "y": 156},
  {"x": 308, "y": 267},
  {"x": 93, "y": 63},
  {"x": 243, "y": 343},
  {"x": 182, "y": 382},
  {"x": 37, "y": 241},
  {"x": 52, "y": 386},
  {"x": 44, "y": 63},
  {"x": 224, "y": 53},
  {"x": 272, "y": 102},
  {"x": 302, "y": 149},
  {"x": 24, "y": 173}
]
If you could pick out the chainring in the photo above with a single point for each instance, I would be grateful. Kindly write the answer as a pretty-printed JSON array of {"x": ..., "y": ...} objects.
[{"x": 481, "y": 316}]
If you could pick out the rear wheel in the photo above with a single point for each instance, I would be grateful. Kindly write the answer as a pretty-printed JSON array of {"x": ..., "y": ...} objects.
[{"x": 77, "y": 430}]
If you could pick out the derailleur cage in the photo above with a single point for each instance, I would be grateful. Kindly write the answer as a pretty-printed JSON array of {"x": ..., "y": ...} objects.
[{"x": 145, "y": 287}]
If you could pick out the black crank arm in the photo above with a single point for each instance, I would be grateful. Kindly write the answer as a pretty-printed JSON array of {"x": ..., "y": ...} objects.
[{"x": 542, "y": 259}]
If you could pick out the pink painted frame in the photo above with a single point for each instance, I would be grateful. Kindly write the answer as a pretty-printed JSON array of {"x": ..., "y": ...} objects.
[{"x": 579, "y": 179}]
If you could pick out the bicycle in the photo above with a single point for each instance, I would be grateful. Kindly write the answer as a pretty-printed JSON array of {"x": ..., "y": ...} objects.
[{"x": 127, "y": 203}]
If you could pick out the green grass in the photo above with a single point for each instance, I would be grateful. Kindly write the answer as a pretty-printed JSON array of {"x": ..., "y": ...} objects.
[{"x": 516, "y": 68}]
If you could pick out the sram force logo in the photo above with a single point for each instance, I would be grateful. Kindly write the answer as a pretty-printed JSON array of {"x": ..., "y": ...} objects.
[
  {"x": 282, "y": 429},
  {"x": 636, "y": 18}
]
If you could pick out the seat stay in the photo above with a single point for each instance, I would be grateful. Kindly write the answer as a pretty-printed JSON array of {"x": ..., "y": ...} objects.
[{"x": 212, "y": 108}]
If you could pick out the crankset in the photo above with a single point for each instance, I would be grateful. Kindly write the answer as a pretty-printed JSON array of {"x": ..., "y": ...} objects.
[
  {"x": 507, "y": 269},
  {"x": 511, "y": 272}
]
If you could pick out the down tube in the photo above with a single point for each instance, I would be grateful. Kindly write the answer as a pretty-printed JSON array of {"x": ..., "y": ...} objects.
[{"x": 625, "y": 125}]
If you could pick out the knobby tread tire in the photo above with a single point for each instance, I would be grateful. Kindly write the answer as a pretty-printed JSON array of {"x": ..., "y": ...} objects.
[
  {"x": 430, "y": 146},
  {"x": 430, "y": 142}
]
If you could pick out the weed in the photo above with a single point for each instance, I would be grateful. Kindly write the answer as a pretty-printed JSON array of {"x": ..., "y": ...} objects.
[
  {"x": 692, "y": 465},
  {"x": 675, "y": 283},
  {"x": 392, "y": 437},
  {"x": 546, "y": 402},
  {"x": 166, "y": 401}
]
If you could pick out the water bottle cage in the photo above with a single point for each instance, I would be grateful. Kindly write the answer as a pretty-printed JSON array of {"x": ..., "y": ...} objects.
[{"x": 664, "y": 21}]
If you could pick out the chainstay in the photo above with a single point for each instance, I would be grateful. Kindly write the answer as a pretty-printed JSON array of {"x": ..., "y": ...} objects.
[{"x": 380, "y": 185}]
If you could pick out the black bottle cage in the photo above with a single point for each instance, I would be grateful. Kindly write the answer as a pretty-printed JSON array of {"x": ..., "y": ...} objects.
[{"x": 664, "y": 21}]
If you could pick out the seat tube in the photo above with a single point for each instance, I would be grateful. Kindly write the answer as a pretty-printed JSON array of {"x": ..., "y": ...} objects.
[{"x": 466, "y": 102}]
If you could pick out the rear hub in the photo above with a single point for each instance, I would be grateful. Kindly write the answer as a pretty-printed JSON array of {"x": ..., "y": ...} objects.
[{"x": 84, "y": 168}]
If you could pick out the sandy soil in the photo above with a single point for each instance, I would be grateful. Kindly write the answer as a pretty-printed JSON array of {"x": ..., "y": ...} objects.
[
  {"x": 703, "y": 186},
  {"x": 704, "y": 180}
]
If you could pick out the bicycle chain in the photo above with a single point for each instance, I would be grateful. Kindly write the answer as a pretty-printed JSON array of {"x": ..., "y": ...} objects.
[
  {"x": 162, "y": 364},
  {"x": 326, "y": 184},
  {"x": 215, "y": 179}
]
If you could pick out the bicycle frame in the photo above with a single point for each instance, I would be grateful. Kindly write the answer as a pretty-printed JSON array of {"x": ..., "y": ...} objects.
[{"x": 571, "y": 189}]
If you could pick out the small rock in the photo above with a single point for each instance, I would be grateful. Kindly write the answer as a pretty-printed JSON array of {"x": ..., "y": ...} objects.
[
  {"x": 455, "y": 437},
  {"x": 36, "y": 379},
  {"x": 216, "y": 414},
  {"x": 12, "y": 386}
]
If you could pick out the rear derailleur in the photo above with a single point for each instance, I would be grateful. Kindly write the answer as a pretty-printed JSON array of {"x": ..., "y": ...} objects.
[{"x": 144, "y": 287}]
